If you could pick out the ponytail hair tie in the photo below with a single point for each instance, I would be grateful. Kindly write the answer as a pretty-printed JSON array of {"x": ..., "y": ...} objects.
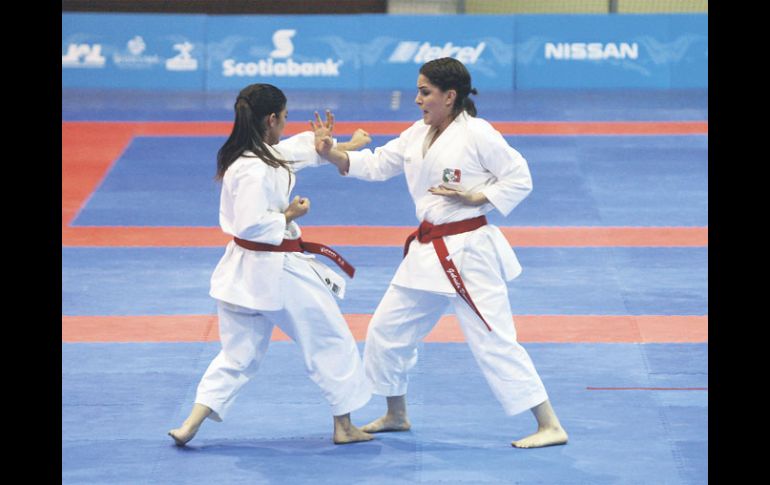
[{"x": 473, "y": 91}]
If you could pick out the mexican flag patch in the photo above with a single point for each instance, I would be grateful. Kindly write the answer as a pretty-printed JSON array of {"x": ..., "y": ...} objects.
[{"x": 451, "y": 175}]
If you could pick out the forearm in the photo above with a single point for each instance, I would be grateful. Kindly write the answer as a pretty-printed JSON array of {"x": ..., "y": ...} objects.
[
  {"x": 349, "y": 145},
  {"x": 475, "y": 198},
  {"x": 339, "y": 157}
]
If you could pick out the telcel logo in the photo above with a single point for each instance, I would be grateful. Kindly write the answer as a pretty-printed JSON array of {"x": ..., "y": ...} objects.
[
  {"x": 411, "y": 51},
  {"x": 91, "y": 55},
  {"x": 284, "y": 48}
]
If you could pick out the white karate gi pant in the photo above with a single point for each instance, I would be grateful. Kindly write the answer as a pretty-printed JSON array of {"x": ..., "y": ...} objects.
[
  {"x": 312, "y": 319},
  {"x": 405, "y": 316}
]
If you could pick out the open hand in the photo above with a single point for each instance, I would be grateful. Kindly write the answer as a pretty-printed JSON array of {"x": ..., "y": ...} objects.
[
  {"x": 469, "y": 198},
  {"x": 324, "y": 145},
  {"x": 322, "y": 128}
]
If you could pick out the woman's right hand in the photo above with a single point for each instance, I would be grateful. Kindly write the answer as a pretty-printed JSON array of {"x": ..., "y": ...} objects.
[{"x": 297, "y": 208}]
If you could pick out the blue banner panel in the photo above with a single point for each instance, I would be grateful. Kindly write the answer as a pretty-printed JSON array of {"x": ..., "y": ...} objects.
[
  {"x": 133, "y": 51},
  {"x": 396, "y": 46},
  {"x": 375, "y": 51},
  {"x": 689, "y": 50},
  {"x": 289, "y": 51},
  {"x": 609, "y": 51}
]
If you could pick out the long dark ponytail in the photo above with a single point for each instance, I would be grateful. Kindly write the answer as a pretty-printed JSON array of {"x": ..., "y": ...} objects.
[
  {"x": 253, "y": 103},
  {"x": 449, "y": 73}
]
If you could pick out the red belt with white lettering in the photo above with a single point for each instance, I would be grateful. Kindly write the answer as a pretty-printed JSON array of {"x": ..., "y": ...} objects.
[
  {"x": 298, "y": 245},
  {"x": 429, "y": 232}
]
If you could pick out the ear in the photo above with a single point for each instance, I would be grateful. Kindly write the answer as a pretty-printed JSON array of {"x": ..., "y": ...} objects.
[
  {"x": 451, "y": 95},
  {"x": 272, "y": 119}
]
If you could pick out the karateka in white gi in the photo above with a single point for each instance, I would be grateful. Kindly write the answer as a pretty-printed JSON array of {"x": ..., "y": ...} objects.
[
  {"x": 457, "y": 168},
  {"x": 265, "y": 279}
]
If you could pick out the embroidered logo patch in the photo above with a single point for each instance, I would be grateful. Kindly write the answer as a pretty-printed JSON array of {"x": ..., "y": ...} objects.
[{"x": 451, "y": 175}]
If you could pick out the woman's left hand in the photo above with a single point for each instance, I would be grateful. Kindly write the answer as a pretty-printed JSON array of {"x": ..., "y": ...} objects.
[
  {"x": 469, "y": 198},
  {"x": 320, "y": 128}
]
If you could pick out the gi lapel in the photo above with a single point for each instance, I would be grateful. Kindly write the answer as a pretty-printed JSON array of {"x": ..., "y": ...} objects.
[{"x": 440, "y": 154}]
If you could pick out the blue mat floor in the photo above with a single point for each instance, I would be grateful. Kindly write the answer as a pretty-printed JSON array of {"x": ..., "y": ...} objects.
[{"x": 120, "y": 399}]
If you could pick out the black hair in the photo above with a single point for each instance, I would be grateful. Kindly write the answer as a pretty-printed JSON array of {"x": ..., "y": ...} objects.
[
  {"x": 252, "y": 105},
  {"x": 448, "y": 73}
]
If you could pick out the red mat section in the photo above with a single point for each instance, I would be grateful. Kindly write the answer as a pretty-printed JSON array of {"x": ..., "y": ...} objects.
[{"x": 530, "y": 328}]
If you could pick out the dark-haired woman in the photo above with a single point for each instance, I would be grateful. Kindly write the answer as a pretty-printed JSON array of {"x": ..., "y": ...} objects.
[
  {"x": 457, "y": 168},
  {"x": 265, "y": 279}
]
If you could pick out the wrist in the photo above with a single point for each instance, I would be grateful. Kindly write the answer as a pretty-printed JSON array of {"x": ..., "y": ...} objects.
[
  {"x": 477, "y": 198},
  {"x": 343, "y": 166}
]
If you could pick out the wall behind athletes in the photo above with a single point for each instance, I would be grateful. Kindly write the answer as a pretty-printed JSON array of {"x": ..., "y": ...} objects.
[{"x": 376, "y": 51}]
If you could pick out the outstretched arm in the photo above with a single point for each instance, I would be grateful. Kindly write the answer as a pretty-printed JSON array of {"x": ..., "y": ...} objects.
[
  {"x": 338, "y": 154},
  {"x": 325, "y": 146},
  {"x": 359, "y": 140}
]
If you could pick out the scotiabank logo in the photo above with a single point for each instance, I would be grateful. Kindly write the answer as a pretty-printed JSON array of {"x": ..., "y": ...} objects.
[
  {"x": 83, "y": 55},
  {"x": 284, "y": 47},
  {"x": 280, "y": 62},
  {"x": 419, "y": 53}
]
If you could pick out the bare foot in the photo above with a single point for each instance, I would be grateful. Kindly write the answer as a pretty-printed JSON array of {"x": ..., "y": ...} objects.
[
  {"x": 183, "y": 434},
  {"x": 387, "y": 423},
  {"x": 343, "y": 436},
  {"x": 543, "y": 437}
]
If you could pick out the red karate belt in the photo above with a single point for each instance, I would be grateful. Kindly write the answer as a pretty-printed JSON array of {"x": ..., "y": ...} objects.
[
  {"x": 428, "y": 232},
  {"x": 298, "y": 245}
]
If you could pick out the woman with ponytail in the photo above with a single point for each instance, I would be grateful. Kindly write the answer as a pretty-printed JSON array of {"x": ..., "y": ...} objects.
[
  {"x": 457, "y": 168},
  {"x": 264, "y": 279}
]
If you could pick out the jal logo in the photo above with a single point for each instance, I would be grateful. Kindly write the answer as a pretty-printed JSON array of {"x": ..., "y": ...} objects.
[
  {"x": 83, "y": 55},
  {"x": 420, "y": 53}
]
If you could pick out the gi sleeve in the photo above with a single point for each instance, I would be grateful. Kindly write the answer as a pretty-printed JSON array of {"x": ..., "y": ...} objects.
[
  {"x": 300, "y": 151},
  {"x": 383, "y": 163},
  {"x": 514, "y": 182},
  {"x": 252, "y": 220}
]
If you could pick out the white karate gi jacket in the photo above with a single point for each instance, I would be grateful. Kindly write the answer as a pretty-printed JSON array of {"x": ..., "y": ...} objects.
[
  {"x": 486, "y": 163},
  {"x": 252, "y": 201}
]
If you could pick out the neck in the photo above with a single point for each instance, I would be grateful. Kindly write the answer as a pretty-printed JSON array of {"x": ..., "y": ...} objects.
[
  {"x": 445, "y": 123},
  {"x": 443, "y": 126}
]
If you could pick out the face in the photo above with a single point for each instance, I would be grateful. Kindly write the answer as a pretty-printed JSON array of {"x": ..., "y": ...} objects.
[
  {"x": 436, "y": 105},
  {"x": 275, "y": 125}
]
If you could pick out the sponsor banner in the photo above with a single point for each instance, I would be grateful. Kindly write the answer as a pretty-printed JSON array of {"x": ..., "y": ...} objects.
[
  {"x": 611, "y": 51},
  {"x": 374, "y": 51},
  {"x": 289, "y": 51},
  {"x": 396, "y": 46},
  {"x": 133, "y": 51}
]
